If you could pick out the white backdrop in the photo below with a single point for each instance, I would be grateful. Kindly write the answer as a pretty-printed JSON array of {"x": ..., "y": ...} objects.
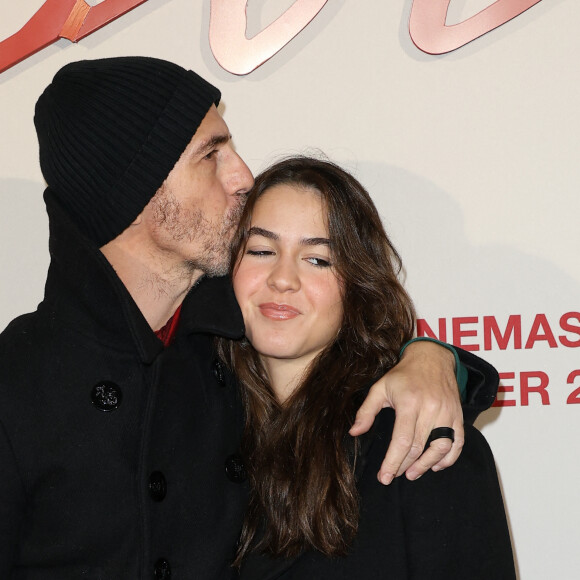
[{"x": 471, "y": 158}]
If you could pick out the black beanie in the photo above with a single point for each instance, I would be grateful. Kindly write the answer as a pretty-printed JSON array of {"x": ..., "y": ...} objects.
[{"x": 109, "y": 133}]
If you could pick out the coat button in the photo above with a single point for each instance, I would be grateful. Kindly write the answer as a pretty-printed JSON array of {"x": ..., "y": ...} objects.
[
  {"x": 106, "y": 396},
  {"x": 218, "y": 372},
  {"x": 157, "y": 486},
  {"x": 162, "y": 569},
  {"x": 235, "y": 469}
]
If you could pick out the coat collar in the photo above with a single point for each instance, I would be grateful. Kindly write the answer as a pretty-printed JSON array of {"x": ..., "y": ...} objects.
[{"x": 83, "y": 287}]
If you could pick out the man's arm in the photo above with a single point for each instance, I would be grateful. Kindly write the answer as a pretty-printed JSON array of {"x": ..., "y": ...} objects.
[{"x": 423, "y": 390}]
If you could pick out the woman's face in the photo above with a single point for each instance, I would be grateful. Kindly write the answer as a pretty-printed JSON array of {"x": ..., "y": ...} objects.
[{"x": 285, "y": 283}]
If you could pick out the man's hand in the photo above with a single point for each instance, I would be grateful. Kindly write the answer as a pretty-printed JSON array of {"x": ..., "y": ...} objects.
[{"x": 423, "y": 391}]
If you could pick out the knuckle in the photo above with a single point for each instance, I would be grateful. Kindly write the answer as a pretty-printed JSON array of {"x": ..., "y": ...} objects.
[
  {"x": 422, "y": 465},
  {"x": 388, "y": 468},
  {"x": 405, "y": 405},
  {"x": 444, "y": 464},
  {"x": 415, "y": 451},
  {"x": 432, "y": 406},
  {"x": 441, "y": 446},
  {"x": 404, "y": 441}
]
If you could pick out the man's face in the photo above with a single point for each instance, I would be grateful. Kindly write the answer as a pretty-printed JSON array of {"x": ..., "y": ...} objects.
[{"x": 193, "y": 216}]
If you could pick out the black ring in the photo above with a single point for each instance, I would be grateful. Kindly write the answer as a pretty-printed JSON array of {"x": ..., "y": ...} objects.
[{"x": 440, "y": 433}]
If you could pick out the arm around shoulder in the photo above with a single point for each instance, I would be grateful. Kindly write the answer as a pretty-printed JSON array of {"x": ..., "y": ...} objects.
[{"x": 477, "y": 380}]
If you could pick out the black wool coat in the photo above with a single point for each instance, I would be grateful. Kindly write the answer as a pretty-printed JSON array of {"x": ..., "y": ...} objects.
[
  {"x": 118, "y": 457},
  {"x": 449, "y": 525}
]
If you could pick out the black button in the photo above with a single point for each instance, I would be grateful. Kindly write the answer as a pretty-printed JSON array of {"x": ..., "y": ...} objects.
[
  {"x": 106, "y": 396},
  {"x": 235, "y": 469},
  {"x": 218, "y": 372},
  {"x": 162, "y": 569},
  {"x": 157, "y": 486}
]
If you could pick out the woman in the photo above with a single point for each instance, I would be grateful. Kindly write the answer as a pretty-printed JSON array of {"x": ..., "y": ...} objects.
[{"x": 316, "y": 279}]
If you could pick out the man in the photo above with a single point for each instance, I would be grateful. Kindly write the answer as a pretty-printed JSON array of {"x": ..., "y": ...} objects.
[{"x": 119, "y": 428}]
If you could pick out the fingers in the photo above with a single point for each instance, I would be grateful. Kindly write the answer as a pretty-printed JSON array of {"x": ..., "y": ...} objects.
[
  {"x": 403, "y": 450},
  {"x": 423, "y": 391},
  {"x": 370, "y": 408},
  {"x": 439, "y": 449},
  {"x": 440, "y": 454},
  {"x": 407, "y": 453},
  {"x": 451, "y": 457}
]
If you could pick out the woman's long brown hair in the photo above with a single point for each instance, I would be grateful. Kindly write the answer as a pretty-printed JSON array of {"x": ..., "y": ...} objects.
[{"x": 298, "y": 455}]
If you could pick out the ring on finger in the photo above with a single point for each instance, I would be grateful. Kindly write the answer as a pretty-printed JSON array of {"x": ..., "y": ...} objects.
[{"x": 440, "y": 433}]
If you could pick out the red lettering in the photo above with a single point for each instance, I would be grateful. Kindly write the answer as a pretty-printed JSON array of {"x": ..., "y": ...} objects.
[
  {"x": 567, "y": 327},
  {"x": 70, "y": 19},
  {"x": 431, "y": 35},
  {"x": 574, "y": 396},
  {"x": 459, "y": 333},
  {"x": 514, "y": 326},
  {"x": 240, "y": 55},
  {"x": 40, "y": 31},
  {"x": 526, "y": 388},
  {"x": 541, "y": 322},
  {"x": 423, "y": 329},
  {"x": 505, "y": 389},
  {"x": 103, "y": 13}
]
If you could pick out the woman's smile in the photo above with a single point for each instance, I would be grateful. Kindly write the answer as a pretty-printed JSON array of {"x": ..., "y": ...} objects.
[{"x": 278, "y": 311}]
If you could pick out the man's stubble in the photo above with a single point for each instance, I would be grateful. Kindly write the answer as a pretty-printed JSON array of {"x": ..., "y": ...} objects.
[{"x": 209, "y": 240}]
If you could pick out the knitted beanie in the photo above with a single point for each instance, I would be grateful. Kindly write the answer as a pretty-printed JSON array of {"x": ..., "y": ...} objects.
[{"x": 109, "y": 133}]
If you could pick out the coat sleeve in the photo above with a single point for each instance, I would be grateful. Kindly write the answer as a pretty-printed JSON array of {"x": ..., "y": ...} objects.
[
  {"x": 12, "y": 501},
  {"x": 455, "y": 522},
  {"x": 477, "y": 380},
  {"x": 481, "y": 387}
]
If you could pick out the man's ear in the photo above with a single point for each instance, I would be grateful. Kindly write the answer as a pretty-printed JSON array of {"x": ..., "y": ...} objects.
[{"x": 137, "y": 220}]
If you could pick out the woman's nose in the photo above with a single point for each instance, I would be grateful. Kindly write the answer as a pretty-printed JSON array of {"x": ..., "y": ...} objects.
[{"x": 284, "y": 276}]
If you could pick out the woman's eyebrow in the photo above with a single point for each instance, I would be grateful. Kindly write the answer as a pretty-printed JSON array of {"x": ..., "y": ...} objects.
[
  {"x": 255, "y": 231},
  {"x": 315, "y": 242}
]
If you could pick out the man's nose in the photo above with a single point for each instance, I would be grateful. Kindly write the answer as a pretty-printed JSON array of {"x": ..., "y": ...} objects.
[{"x": 241, "y": 176}]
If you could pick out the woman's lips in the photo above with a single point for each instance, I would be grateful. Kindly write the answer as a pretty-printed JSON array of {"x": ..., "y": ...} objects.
[{"x": 278, "y": 311}]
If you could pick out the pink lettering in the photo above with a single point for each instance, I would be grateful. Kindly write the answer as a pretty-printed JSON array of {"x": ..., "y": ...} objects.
[
  {"x": 240, "y": 55},
  {"x": 75, "y": 19},
  {"x": 430, "y": 34}
]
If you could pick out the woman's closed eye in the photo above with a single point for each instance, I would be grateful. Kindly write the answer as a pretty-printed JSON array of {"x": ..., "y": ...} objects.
[{"x": 259, "y": 252}]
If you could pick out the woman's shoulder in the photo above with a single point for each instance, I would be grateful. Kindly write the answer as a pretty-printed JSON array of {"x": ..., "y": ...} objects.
[{"x": 476, "y": 453}]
